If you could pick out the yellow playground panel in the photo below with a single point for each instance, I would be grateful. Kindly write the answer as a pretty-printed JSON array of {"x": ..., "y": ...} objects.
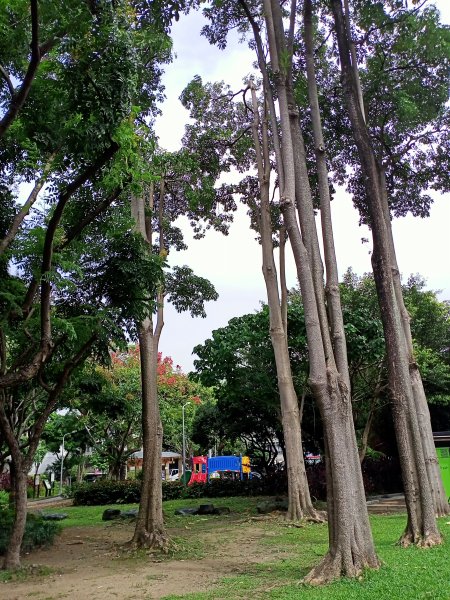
[{"x": 246, "y": 468}]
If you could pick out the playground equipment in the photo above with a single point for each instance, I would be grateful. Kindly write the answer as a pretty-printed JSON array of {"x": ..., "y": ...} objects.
[{"x": 205, "y": 468}]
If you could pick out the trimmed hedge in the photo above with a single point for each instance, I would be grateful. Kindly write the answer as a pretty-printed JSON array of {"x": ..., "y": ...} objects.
[
  {"x": 37, "y": 531},
  {"x": 106, "y": 491},
  {"x": 380, "y": 476},
  {"x": 128, "y": 492}
]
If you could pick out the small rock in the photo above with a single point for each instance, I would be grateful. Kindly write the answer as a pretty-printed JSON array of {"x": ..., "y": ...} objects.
[
  {"x": 222, "y": 510},
  {"x": 129, "y": 514},
  {"x": 110, "y": 514},
  {"x": 185, "y": 512},
  {"x": 271, "y": 505},
  {"x": 54, "y": 516},
  {"x": 206, "y": 509}
]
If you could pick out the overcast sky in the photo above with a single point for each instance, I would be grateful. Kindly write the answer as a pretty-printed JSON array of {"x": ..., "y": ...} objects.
[{"x": 233, "y": 263}]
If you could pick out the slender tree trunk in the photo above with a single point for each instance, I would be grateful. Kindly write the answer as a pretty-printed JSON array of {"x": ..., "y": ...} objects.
[
  {"x": 441, "y": 504},
  {"x": 351, "y": 546},
  {"x": 11, "y": 559},
  {"x": 332, "y": 283},
  {"x": 421, "y": 527},
  {"x": 366, "y": 432},
  {"x": 299, "y": 503},
  {"x": 150, "y": 531}
]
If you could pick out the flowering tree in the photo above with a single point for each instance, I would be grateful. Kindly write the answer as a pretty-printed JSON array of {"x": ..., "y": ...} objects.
[{"x": 109, "y": 401}]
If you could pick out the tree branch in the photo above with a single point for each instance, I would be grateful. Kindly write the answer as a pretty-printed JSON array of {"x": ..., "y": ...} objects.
[
  {"x": 53, "y": 396},
  {"x": 6, "y": 77},
  {"x": 20, "y": 96},
  {"x": 89, "y": 218},
  {"x": 23, "y": 212},
  {"x": 27, "y": 372},
  {"x": 64, "y": 197}
]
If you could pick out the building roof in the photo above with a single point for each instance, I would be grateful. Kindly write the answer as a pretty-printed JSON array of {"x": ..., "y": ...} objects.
[{"x": 140, "y": 454}]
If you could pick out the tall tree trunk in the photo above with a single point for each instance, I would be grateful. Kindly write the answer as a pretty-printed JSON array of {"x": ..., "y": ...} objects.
[
  {"x": 421, "y": 527},
  {"x": 441, "y": 504},
  {"x": 11, "y": 560},
  {"x": 350, "y": 539},
  {"x": 332, "y": 277},
  {"x": 150, "y": 531},
  {"x": 423, "y": 414},
  {"x": 299, "y": 499}
]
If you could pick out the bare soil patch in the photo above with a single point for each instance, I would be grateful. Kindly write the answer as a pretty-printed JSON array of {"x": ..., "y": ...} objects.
[{"x": 89, "y": 563}]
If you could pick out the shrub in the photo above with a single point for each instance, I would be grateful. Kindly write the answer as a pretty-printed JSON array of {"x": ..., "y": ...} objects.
[
  {"x": 381, "y": 476},
  {"x": 4, "y": 500},
  {"x": 5, "y": 481},
  {"x": 37, "y": 531},
  {"x": 125, "y": 492},
  {"x": 107, "y": 491}
]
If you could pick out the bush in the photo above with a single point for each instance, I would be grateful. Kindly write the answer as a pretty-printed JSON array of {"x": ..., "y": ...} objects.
[
  {"x": 107, "y": 491},
  {"x": 4, "y": 500},
  {"x": 381, "y": 476},
  {"x": 37, "y": 531},
  {"x": 127, "y": 492},
  {"x": 5, "y": 481}
]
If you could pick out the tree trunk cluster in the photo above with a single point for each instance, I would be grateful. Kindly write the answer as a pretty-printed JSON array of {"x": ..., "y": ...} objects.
[{"x": 421, "y": 478}]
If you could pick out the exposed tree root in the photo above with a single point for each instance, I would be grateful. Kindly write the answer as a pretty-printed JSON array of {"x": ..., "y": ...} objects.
[
  {"x": 317, "y": 516},
  {"x": 296, "y": 514},
  {"x": 443, "y": 511},
  {"x": 155, "y": 540},
  {"x": 331, "y": 568},
  {"x": 415, "y": 538},
  {"x": 13, "y": 564}
]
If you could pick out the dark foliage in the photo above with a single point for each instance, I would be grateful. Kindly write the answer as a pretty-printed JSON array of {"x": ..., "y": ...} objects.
[
  {"x": 5, "y": 481},
  {"x": 37, "y": 531},
  {"x": 381, "y": 476},
  {"x": 317, "y": 481},
  {"x": 122, "y": 492},
  {"x": 107, "y": 492}
]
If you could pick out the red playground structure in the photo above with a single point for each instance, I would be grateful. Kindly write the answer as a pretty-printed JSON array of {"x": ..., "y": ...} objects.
[
  {"x": 225, "y": 467},
  {"x": 199, "y": 470}
]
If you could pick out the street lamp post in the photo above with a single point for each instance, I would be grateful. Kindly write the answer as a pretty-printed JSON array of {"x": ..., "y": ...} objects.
[
  {"x": 62, "y": 463},
  {"x": 183, "y": 457}
]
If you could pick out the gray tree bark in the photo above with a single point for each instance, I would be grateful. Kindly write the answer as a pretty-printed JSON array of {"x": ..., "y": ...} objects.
[
  {"x": 350, "y": 539},
  {"x": 421, "y": 527},
  {"x": 150, "y": 530},
  {"x": 441, "y": 504},
  {"x": 299, "y": 499}
]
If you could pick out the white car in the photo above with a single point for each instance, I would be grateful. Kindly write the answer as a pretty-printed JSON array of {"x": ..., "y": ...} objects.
[{"x": 174, "y": 475}]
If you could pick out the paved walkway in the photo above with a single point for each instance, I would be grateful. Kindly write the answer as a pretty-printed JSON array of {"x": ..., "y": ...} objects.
[
  {"x": 51, "y": 502},
  {"x": 378, "y": 505},
  {"x": 388, "y": 504}
]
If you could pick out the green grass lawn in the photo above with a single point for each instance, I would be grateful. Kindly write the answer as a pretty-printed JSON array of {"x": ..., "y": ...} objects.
[
  {"x": 85, "y": 516},
  {"x": 406, "y": 574}
]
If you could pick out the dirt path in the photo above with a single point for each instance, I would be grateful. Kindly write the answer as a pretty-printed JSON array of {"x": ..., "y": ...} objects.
[{"x": 88, "y": 564}]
